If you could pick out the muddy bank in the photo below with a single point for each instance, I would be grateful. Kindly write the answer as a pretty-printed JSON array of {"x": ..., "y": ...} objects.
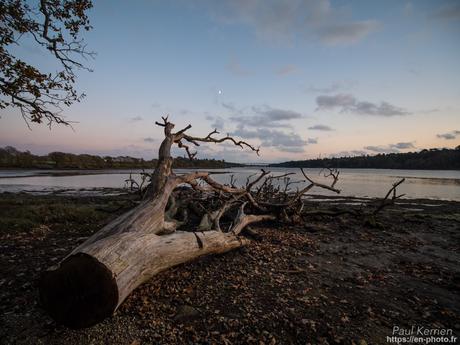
[{"x": 332, "y": 280}]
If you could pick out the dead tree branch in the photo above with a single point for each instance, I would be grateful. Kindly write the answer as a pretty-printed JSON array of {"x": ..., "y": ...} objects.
[
  {"x": 145, "y": 240},
  {"x": 387, "y": 201}
]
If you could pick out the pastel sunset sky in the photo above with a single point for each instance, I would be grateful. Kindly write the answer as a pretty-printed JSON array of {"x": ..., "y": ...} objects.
[{"x": 300, "y": 78}]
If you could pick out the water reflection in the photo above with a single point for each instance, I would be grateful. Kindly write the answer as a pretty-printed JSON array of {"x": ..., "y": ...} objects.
[{"x": 353, "y": 182}]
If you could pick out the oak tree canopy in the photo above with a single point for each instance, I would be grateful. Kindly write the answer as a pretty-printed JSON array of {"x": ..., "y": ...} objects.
[{"x": 55, "y": 26}]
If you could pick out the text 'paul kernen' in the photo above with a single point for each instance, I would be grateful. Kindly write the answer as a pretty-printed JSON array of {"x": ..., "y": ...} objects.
[{"x": 421, "y": 335}]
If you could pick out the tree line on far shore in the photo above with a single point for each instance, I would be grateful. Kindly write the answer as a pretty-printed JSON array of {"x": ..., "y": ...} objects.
[
  {"x": 436, "y": 159},
  {"x": 10, "y": 157}
]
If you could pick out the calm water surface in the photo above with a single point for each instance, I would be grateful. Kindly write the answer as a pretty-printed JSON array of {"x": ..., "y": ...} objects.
[{"x": 433, "y": 184}]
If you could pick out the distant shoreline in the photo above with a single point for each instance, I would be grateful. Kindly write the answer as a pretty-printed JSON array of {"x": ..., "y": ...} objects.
[
  {"x": 76, "y": 172},
  {"x": 11, "y": 158},
  {"x": 87, "y": 171},
  {"x": 432, "y": 159}
]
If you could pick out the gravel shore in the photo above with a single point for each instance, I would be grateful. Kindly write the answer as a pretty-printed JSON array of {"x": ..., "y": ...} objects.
[{"x": 331, "y": 280}]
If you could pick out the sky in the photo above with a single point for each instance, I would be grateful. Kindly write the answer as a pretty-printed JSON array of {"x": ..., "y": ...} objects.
[{"x": 302, "y": 79}]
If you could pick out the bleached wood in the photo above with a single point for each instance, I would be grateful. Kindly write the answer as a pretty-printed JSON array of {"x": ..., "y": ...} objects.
[{"x": 135, "y": 246}]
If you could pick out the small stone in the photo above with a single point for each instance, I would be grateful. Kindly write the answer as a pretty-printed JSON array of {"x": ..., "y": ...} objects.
[{"x": 186, "y": 312}]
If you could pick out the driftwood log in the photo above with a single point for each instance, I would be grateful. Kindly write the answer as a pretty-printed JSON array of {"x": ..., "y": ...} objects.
[{"x": 97, "y": 276}]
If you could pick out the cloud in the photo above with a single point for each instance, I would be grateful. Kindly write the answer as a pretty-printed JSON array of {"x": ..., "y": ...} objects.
[
  {"x": 217, "y": 122},
  {"x": 349, "y": 153},
  {"x": 287, "y": 142},
  {"x": 449, "y": 136},
  {"x": 130, "y": 150},
  {"x": 265, "y": 116},
  {"x": 320, "y": 128},
  {"x": 403, "y": 145},
  {"x": 149, "y": 140},
  {"x": 447, "y": 12},
  {"x": 288, "y": 69},
  {"x": 312, "y": 141},
  {"x": 338, "y": 100},
  {"x": 228, "y": 153},
  {"x": 391, "y": 148},
  {"x": 135, "y": 119},
  {"x": 276, "y": 114},
  {"x": 382, "y": 109},
  {"x": 235, "y": 68},
  {"x": 347, "y": 33},
  {"x": 284, "y": 21},
  {"x": 381, "y": 149},
  {"x": 331, "y": 88},
  {"x": 347, "y": 103},
  {"x": 231, "y": 107}
]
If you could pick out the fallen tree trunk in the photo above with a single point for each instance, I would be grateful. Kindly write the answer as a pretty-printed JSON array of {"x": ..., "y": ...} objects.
[
  {"x": 97, "y": 276},
  {"x": 91, "y": 283}
]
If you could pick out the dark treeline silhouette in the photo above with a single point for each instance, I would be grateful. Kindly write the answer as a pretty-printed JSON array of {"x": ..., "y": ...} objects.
[
  {"x": 13, "y": 158},
  {"x": 440, "y": 159}
]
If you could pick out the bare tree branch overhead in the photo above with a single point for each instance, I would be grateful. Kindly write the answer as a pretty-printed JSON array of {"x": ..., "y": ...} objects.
[{"x": 54, "y": 26}]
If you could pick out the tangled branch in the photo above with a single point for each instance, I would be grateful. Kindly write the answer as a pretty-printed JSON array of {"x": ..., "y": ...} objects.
[{"x": 180, "y": 136}]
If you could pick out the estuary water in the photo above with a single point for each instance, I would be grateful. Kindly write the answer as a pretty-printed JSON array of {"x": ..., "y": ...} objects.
[{"x": 432, "y": 184}]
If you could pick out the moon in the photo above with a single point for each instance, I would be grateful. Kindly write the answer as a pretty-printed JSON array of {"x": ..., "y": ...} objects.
[{"x": 219, "y": 92}]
